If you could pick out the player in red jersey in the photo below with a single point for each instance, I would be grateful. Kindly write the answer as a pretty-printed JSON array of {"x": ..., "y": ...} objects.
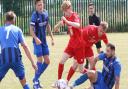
[
  {"x": 75, "y": 47},
  {"x": 91, "y": 35}
]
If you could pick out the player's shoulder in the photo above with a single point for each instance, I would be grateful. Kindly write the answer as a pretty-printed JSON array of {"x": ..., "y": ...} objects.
[{"x": 15, "y": 28}]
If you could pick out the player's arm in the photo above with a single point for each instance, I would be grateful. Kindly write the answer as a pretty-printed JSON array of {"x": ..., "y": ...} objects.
[
  {"x": 58, "y": 25},
  {"x": 117, "y": 72},
  {"x": 74, "y": 24},
  {"x": 32, "y": 26},
  {"x": 26, "y": 49},
  {"x": 98, "y": 58},
  {"x": 117, "y": 83},
  {"x": 29, "y": 55},
  {"x": 105, "y": 39},
  {"x": 50, "y": 33}
]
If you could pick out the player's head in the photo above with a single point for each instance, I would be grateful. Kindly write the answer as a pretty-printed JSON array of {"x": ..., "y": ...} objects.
[
  {"x": 66, "y": 7},
  {"x": 102, "y": 28},
  {"x": 91, "y": 8},
  {"x": 10, "y": 17},
  {"x": 110, "y": 50},
  {"x": 39, "y": 5}
]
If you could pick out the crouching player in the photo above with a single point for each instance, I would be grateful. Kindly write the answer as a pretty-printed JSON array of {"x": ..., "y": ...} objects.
[
  {"x": 75, "y": 46},
  {"x": 110, "y": 75},
  {"x": 38, "y": 26},
  {"x": 91, "y": 35},
  {"x": 10, "y": 58}
]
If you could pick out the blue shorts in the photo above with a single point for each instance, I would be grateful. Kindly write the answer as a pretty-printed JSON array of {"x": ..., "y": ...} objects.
[
  {"x": 39, "y": 50},
  {"x": 17, "y": 67},
  {"x": 100, "y": 84}
]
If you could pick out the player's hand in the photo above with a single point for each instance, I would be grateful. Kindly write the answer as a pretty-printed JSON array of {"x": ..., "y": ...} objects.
[
  {"x": 64, "y": 19},
  {"x": 52, "y": 42},
  {"x": 37, "y": 40},
  {"x": 34, "y": 66}
]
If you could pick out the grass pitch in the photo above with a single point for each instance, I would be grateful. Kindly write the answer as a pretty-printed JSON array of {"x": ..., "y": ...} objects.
[{"x": 50, "y": 75}]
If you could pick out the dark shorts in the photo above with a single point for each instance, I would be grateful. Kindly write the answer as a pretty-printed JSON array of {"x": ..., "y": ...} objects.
[
  {"x": 100, "y": 84},
  {"x": 98, "y": 44},
  {"x": 39, "y": 50},
  {"x": 17, "y": 67}
]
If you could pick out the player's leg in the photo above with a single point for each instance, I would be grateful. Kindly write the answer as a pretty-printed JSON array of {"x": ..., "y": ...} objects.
[
  {"x": 91, "y": 75},
  {"x": 3, "y": 70},
  {"x": 72, "y": 70},
  {"x": 98, "y": 47},
  {"x": 19, "y": 71},
  {"x": 87, "y": 64},
  {"x": 61, "y": 64}
]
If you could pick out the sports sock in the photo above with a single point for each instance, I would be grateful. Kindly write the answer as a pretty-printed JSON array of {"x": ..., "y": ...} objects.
[
  {"x": 60, "y": 70},
  {"x": 70, "y": 74},
  {"x": 80, "y": 80},
  {"x": 41, "y": 69},
  {"x": 26, "y": 86}
]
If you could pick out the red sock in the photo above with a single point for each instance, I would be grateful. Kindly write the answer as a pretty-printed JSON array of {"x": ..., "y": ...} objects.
[
  {"x": 60, "y": 70},
  {"x": 70, "y": 74},
  {"x": 84, "y": 71},
  {"x": 94, "y": 68}
]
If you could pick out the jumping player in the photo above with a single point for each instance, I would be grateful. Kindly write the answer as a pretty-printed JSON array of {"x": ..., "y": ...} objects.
[
  {"x": 38, "y": 25},
  {"x": 10, "y": 55},
  {"x": 75, "y": 45},
  {"x": 93, "y": 20},
  {"x": 91, "y": 35},
  {"x": 110, "y": 75}
]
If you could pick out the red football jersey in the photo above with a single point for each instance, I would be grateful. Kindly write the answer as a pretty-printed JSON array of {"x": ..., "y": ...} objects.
[
  {"x": 90, "y": 35},
  {"x": 76, "y": 38}
]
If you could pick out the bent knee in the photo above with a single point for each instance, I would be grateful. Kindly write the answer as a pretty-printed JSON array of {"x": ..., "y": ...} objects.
[{"x": 91, "y": 73}]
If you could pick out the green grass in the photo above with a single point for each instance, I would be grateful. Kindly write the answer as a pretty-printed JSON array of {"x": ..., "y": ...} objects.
[{"x": 50, "y": 75}]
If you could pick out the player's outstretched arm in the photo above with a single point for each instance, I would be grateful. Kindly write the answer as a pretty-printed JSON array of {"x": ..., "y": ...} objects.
[
  {"x": 37, "y": 40},
  {"x": 50, "y": 33},
  {"x": 29, "y": 55}
]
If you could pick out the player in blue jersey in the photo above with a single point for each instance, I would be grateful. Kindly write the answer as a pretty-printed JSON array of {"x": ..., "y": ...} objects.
[
  {"x": 110, "y": 75},
  {"x": 10, "y": 55},
  {"x": 38, "y": 26}
]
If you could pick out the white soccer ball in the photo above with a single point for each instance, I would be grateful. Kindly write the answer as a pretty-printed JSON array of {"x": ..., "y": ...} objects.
[{"x": 61, "y": 84}]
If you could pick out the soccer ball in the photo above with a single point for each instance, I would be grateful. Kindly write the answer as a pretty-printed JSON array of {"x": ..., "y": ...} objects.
[{"x": 61, "y": 84}]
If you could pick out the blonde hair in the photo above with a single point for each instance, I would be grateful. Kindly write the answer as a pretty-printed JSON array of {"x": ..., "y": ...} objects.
[
  {"x": 104, "y": 25},
  {"x": 66, "y": 5}
]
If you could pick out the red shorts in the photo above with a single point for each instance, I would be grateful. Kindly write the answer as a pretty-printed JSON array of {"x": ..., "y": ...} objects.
[
  {"x": 77, "y": 53},
  {"x": 88, "y": 52}
]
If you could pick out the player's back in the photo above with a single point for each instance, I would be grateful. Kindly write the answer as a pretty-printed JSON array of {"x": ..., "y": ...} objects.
[{"x": 10, "y": 37}]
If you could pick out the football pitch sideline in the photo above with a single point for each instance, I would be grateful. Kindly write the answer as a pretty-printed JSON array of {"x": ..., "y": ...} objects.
[{"x": 50, "y": 75}]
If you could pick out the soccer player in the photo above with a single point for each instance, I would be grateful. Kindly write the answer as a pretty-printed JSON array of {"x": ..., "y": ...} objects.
[
  {"x": 10, "y": 56},
  {"x": 91, "y": 35},
  {"x": 75, "y": 46},
  {"x": 110, "y": 75},
  {"x": 38, "y": 26},
  {"x": 93, "y": 20}
]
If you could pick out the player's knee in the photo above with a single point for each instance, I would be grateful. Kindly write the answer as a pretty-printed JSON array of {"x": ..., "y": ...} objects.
[{"x": 47, "y": 61}]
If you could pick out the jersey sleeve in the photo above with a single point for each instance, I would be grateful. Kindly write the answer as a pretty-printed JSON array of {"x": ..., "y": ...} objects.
[
  {"x": 21, "y": 37},
  {"x": 33, "y": 19},
  {"x": 117, "y": 69},
  {"x": 101, "y": 56},
  {"x": 105, "y": 39},
  {"x": 76, "y": 18}
]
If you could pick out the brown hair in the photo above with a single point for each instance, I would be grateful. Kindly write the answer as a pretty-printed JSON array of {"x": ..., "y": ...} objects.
[
  {"x": 36, "y": 1},
  {"x": 112, "y": 46},
  {"x": 10, "y": 16},
  {"x": 90, "y": 4},
  {"x": 104, "y": 25},
  {"x": 66, "y": 5}
]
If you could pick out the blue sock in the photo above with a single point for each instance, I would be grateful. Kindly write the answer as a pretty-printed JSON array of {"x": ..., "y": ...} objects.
[
  {"x": 26, "y": 86},
  {"x": 80, "y": 80},
  {"x": 41, "y": 69}
]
